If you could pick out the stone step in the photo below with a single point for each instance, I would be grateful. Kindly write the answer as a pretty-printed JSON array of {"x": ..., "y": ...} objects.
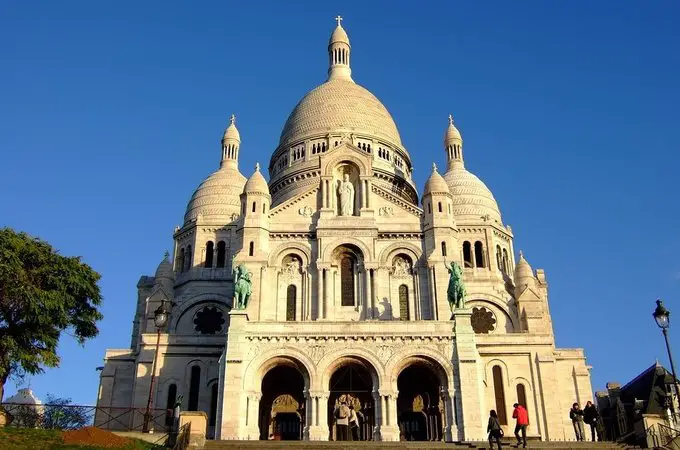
[{"x": 287, "y": 445}]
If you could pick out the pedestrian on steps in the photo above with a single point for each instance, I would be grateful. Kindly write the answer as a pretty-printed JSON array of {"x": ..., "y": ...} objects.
[
  {"x": 522, "y": 415},
  {"x": 591, "y": 417},
  {"x": 576, "y": 416},
  {"x": 494, "y": 429}
]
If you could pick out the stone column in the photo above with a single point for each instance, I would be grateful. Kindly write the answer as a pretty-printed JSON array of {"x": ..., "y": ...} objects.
[
  {"x": 326, "y": 295},
  {"x": 252, "y": 431},
  {"x": 319, "y": 293},
  {"x": 467, "y": 366},
  {"x": 231, "y": 385},
  {"x": 368, "y": 194},
  {"x": 416, "y": 295},
  {"x": 389, "y": 429},
  {"x": 449, "y": 429},
  {"x": 318, "y": 429}
]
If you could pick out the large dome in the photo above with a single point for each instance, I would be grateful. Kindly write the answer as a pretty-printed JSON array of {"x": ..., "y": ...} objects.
[
  {"x": 217, "y": 197},
  {"x": 339, "y": 105},
  {"x": 472, "y": 200}
]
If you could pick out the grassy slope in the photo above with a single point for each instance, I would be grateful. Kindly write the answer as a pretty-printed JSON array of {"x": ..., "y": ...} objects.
[{"x": 34, "y": 439}]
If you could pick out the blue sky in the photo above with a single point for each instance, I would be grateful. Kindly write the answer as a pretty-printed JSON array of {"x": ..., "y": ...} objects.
[{"x": 111, "y": 114}]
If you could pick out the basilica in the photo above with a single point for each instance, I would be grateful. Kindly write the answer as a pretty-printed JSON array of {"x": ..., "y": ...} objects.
[{"x": 347, "y": 267}]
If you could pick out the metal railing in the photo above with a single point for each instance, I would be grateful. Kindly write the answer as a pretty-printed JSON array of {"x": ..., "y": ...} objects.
[
  {"x": 182, "y": 439},
  {"x": 71, "y": 417}
]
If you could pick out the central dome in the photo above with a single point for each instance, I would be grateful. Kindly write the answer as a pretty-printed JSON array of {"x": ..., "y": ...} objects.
[{"x": 339, "y": 105}]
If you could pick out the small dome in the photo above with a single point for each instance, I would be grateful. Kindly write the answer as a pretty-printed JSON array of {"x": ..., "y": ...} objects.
[
  {"x": 472, "y": 200},
  {"x": 452, "y": 133},
  {"x": 25, "y": 396},
  {"x": 523, "y": 270},
  {"x": 256, "y": 183},
  {"x": 218, "y": 196},
  {"x": 339, "y": 35},
  {"x": 435, "y": 183},
  {"x": 164, "y": 270},
  {"x": 232, "y": 132}
]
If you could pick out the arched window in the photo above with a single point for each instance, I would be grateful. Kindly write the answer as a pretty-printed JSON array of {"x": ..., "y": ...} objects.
[
  {"x": 209, "y": 250},
  {"x": 170, "y": 404},
  {"x": 251, "y": 250},
  {"x": 243, "y": 208},
  {"x": 291, "y": 297},
  {"x": 180, "y": 261},
  {"x": 194, "y": 386},
  {"x": 213, "y": 405},
  {"x": 347, "y": 280},
  {"x": 403, "y": 302},
  {"x": 264, "y": 207},
  {"x": 467, "y": 254},
  {"x": 187, "y": 258},
  {"x": 499, "y": 393},
  {"x": 254, "y": 206},
  {"x": 443, "y": 248},
  {"x": 440, "y": 206},
  {"x": 499, "y": 259},
  {"x": 522, "y": 396},
  {"x": 479, "y": 254},
  {"x": 429, "y": 208},
  {"x": 506, "y": 261},
  {"x": 449, "y": 208},
  {"x": 221, "y": 254}
]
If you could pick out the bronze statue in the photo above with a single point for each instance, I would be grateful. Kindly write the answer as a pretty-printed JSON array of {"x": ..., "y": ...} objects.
[
  {"x": 243, "y": 286},
  {"x": 456, "y": 291}
]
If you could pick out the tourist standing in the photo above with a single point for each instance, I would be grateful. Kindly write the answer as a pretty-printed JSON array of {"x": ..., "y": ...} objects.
[
  {"x": 494, "y": 429},
  {"x": 342, "y": 422},
  {"x": 353, "y": 424},
  {"x": 522, "y": 415},
  {"x": 591, "y": 416},
  {"x": 576, "y": 416}
]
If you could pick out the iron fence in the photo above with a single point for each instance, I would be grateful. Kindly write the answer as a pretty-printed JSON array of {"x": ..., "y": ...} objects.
[{"x": 72, "y": 417}]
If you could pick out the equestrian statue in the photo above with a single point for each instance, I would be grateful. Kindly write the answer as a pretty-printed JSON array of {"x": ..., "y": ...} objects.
[
  {"x": 243, "y": 286},
  {"x": 456, "y": 290}
]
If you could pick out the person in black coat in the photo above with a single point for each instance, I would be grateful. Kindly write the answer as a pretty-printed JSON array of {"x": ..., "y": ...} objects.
[
  {"x": 494, "y": 429},
  {"x": 591, "y": 416}
]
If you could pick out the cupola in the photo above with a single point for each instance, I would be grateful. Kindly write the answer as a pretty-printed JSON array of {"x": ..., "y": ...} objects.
[
  {"x": 453, "y": 144},
  {"x": 338, "y": 54}
]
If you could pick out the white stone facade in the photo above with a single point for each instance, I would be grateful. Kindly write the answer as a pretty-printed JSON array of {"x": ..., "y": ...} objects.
[{"x": 348, "y": 306}]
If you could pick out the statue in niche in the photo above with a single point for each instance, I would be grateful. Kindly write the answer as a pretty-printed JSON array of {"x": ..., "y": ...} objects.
[
  {"x": 346, "y": 194},
  {"x": 243, "y": 286},
  {"x": 292, "y": 268},
  {"x": 456, "y": 290}
]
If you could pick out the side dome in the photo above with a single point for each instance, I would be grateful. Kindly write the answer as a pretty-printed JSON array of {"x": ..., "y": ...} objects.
[
  {"x": 435, "y": 183},
  {"x": 472, "y": 200},
  {"x": 339, "y": 105},
  {"x": 256, "y": 183},
  {"x": 164, "y": 270},
  {"x": 217, "y": 197}
]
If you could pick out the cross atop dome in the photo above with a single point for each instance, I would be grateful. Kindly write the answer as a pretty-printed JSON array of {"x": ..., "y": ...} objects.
[
  {"x": 338, "y": 53},
  {"x": 339, "y": 19},
  {"x": 450, "y": 119},
  {"x": 232, "y": 119}
]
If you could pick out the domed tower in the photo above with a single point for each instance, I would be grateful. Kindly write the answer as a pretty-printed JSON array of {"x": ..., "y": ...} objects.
[
  {"x": 486, "y": 242},
  {"x": 207, "y": 238},
  {"x": 531, "y": 293},
  {"x": 339, "y": 112},
  {"x": 438, "y": 223},
  {"x": 254, "y": 226}
]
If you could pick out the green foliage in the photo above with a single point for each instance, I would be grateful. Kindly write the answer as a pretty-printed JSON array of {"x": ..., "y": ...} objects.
[
  {"x": 36, "y": 439},
  {"x": 42, "y": 294}
]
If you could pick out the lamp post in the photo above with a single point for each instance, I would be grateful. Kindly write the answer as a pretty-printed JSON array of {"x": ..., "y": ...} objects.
[
  {"x": 662, "y": 316},
  {"x": 160, "y": 318}
]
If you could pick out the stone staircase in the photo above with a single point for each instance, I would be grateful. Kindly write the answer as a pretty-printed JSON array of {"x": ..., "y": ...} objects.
[{"x": 308, "y": 445}]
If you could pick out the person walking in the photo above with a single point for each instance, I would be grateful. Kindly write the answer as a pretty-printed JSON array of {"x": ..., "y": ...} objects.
[
  {"x": 576, "y": 416},
  {"x": 353, "y": 424},
  {"x": 494, "y": 429},
  {"x": 522, "y": 415},
  {"x": 342, "y": 422},
  {"x": 591, "y": 417}
]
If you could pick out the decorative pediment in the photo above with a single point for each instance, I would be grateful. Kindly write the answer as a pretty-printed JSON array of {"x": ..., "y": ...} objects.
[
  {"x": 345, "y": 151},
  {"x": 528, "y": 294},
  {"x": 394, "y": 200},
  {"x": 302, "y": 206}
]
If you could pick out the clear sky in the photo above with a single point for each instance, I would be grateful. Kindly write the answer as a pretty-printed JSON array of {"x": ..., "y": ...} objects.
[{"x": 111, "y": 114}]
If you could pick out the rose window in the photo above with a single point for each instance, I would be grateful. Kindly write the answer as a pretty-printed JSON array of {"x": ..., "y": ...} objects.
[
  {"x": 483, "y": 321},
  {"x": 209, "y": 320}
]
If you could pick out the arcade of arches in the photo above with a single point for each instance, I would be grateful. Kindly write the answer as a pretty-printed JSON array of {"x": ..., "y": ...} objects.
[{"x": 420, "y": 410}]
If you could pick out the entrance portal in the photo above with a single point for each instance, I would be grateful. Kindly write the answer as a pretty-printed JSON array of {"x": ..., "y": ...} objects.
[
  {"x": 352, "y": 383},
  {"x": 418, "y": 404},
  {"x": 282, "y": 404}
]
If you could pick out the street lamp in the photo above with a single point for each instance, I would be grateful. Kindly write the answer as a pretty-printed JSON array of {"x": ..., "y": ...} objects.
[
  {"x": 662, "y": 316},
  {"x": 160, "y": 318}
]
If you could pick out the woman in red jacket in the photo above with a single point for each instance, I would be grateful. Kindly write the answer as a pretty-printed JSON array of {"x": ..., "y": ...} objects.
[{"x": 520, "y": 413}]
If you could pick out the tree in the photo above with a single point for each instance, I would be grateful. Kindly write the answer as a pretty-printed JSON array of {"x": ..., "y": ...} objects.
[
  {"x": 42, "y": 294},
  {"x": 60, "y": 414}
]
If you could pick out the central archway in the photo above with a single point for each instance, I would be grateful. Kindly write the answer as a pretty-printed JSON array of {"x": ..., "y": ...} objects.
[
  {"x": 353, "y": 382},
  {"x": 419, "y": 405},
  {"x": 282, "y": 406}
]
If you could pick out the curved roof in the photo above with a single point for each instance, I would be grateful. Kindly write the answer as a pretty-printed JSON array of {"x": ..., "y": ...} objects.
[
  {"x": 339, "y": 105},
  {"x": 435, "y": 183},
  {"x": 218, "y": 196},
  {"x": 256, "y": 182},
  {"x": 471, "y": 198}
]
